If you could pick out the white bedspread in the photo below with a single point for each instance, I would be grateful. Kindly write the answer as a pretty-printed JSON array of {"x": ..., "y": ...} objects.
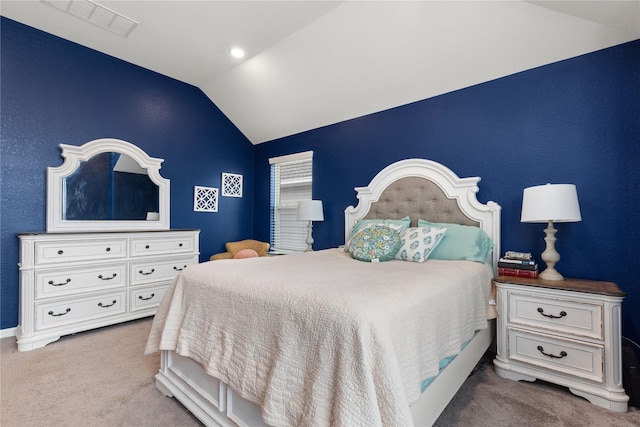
[{"x": 320, "y": 339}]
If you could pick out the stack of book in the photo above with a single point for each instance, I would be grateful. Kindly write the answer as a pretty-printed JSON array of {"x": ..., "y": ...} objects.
[{"x": 519, "y": 264}]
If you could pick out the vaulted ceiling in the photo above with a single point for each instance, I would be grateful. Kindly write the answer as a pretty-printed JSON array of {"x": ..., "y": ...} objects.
[{"x": 313, "y": 63}]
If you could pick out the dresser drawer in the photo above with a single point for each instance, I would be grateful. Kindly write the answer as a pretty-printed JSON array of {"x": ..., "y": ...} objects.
[
  {"x": 158, "y": 270},
  {"x": 147, "y": 297},
  {"x": 52, "y": 314},
  {"x": 580, "y": 359},
  {"x": 561, "y": 315},
  {"x": 79, "y": 250},
  {"x": 142, "y": 246},
  {"x": 52, "y": 283}
]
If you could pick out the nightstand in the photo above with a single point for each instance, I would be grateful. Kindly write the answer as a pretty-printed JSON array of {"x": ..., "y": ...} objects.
[{"x": 566, "y": 332}]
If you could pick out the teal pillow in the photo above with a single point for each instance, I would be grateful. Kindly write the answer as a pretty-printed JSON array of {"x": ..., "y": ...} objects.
[
  {"x": 417, "y": 243},
  {"x": 460, "y": 242},
  {"x": 396, "y": 224},
  {"x": 375, "y": 243}
]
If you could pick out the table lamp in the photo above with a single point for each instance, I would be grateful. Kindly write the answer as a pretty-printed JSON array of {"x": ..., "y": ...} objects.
[
  {"x": 550, "y": 203},
  {"x": 310, "y": 210}
]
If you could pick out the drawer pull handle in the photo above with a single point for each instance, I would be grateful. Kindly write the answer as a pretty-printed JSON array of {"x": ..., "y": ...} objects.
[
  {"x": 59, "y": 284},
  {"x": 107, "y": 278},
  {"x": 553, "y": 356},
  {"x": 147, "y": 273},
  {"x": 51, "y": 313},
  {"x": 146, "y": 247},
  {"x": 107, "y": 305},
  {"x": 551, "y": 316},
  {"x": 180, "y": 245},
  {"x": 60, "y": 252},
  {"x": 108, "y": 249},
  {"x": 146, "y": 299},
  {"x": 178, "y": 268}
]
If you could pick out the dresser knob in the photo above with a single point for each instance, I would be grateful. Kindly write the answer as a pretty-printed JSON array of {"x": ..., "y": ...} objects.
[{"x": 60, "y": 252}]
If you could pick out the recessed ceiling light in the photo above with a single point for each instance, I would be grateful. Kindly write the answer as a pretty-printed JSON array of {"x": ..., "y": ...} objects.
[{"x": 237, "y": 52}]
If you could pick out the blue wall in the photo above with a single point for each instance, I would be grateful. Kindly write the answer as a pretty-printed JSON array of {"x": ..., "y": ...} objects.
[
  {"x": 575, "y": 121},
  {"x": 55, "y": 91}
]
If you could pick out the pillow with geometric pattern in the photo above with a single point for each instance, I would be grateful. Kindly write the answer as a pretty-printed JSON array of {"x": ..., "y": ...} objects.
[{"x": 417, "y": 243}]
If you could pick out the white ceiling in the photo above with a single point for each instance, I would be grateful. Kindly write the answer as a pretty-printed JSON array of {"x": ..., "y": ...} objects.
[{"x": 314, "y": 63}]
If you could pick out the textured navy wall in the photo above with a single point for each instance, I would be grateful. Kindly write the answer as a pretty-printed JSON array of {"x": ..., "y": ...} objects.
[
  {"x": 575, "y": 121},
  {"x": 55, "y": 91}
]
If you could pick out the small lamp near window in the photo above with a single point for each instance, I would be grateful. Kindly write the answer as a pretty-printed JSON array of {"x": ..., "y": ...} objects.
[
  {"x": 550, "y": 203},
  {"x": 310, "y": 210}
]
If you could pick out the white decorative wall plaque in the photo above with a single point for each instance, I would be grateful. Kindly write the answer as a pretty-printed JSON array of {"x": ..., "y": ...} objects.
[
  {"x": 231, "y": 185},
  {"x": 205, "y": 199}
]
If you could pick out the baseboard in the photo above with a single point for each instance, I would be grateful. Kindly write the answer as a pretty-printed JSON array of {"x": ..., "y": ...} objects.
[{"x": 9, "y": 332}]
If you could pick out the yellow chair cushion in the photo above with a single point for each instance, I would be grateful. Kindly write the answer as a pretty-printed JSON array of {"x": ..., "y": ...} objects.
[{"x": 261, "y": 248}]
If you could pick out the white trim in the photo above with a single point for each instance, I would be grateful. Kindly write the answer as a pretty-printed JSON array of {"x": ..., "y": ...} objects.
[
  {"x": 291, "y": 157},
  {"x": 73, "y": 156},
  {"x": 8, "y": 332}
]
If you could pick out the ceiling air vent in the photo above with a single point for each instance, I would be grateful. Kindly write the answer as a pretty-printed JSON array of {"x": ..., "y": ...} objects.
[{"x": 97, "y": 14}]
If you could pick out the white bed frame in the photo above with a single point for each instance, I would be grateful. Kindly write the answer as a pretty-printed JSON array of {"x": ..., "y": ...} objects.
[{"x": 214, "y": 403}]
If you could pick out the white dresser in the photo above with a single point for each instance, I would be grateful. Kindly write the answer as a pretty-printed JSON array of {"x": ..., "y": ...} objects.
[
  {"x": 566, "y": 332},
  {"x": 72, "y": 282}
]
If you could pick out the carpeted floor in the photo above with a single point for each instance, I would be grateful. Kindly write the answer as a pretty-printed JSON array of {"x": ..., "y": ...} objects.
[{"x": 101, "y": 378}]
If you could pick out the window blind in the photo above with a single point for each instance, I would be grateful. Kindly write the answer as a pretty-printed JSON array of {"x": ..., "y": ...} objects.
[{"x": 291, "y": 181}]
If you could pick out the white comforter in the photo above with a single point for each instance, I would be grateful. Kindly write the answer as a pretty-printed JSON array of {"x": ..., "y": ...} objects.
[{"x": 320, "y": 339}]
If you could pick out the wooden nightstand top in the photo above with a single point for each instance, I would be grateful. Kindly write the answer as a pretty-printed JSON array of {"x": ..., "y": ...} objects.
[{"x": 579, "y": 285}]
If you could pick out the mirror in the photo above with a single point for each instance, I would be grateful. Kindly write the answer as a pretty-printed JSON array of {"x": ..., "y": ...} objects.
[{"x": 106, "y": 185}]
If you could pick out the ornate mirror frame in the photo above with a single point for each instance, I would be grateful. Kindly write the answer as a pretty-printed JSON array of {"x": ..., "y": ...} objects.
[{"x": 72, "y": 157}]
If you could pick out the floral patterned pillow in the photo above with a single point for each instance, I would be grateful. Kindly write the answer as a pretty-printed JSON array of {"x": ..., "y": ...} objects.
[
  {"x": 416, "y": 243},
  {"x": 374, "y": 243}
]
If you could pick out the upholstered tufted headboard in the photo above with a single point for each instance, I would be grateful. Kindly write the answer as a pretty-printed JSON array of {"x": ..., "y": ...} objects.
[
  {"x": 424, "y": 189},
  {"x": 417, "y": 198}
]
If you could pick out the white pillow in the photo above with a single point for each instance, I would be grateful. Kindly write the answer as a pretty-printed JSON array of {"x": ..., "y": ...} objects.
[{"x": 416, "y": 243}]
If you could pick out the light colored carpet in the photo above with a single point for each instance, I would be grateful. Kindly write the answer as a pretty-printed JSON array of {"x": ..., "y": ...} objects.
[{"x": 101, "y": 378}]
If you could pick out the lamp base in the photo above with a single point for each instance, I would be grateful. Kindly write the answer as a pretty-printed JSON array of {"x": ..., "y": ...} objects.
[
  {"x": 551, "y": 274},
  {"x": 309, "y": 240},
  {"x": 550, "y": 256}
]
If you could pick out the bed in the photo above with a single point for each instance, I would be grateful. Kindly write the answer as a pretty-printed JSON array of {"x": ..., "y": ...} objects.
[{"x": 323, "y": 339}]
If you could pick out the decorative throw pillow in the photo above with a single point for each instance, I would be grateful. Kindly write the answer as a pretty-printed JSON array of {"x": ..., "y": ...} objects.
[
  {"x": 416, "y": 243},
  {"x": 397, "y": 224},
  {"x": 461, "y": 242},
  {"x": 375, "y": 243},
  {"x": 245, "y": 253}
]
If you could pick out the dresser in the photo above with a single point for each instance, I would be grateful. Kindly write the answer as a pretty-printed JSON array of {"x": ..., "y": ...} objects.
[
  {"x": 72, "y": 282},
  {"x": 565, "y": 332}
]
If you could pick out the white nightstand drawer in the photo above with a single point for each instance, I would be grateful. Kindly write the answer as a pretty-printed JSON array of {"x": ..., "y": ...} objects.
[
  {"x": 561, "y": 315},
  {"x": 52, "y": 283},
  {"x": 79, "y": 250},
  {"x": 157, "y": 270},
  {"x": 142, "y": 246},
  {"x": 145, "y": 298},
  {"x": 571, "y": 357},
  {"x": 49, "y": 315}
]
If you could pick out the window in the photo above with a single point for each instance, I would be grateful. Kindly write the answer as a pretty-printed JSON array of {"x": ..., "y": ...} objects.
[{"x": 291, "y": 180}]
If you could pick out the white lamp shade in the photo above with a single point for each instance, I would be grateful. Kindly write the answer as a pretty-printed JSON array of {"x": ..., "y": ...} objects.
[
  {"x": 550, "y": 202},
  {"x": 310, "y": 210}
]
